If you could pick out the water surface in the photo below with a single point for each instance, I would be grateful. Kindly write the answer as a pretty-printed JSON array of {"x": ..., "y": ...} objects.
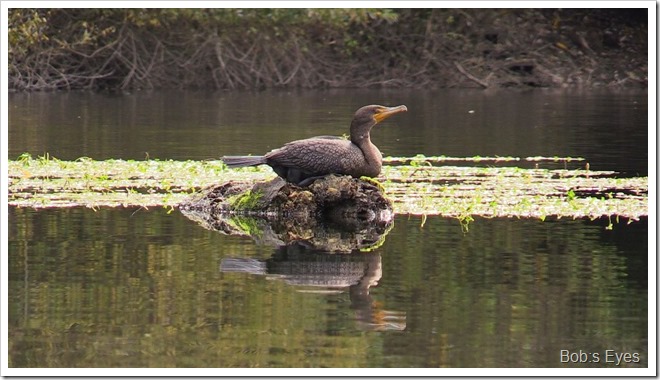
[
  {"x": 607, "y": 128},
  {"x": 126, "y": 288},
  {"x": 144, "y": 288}
]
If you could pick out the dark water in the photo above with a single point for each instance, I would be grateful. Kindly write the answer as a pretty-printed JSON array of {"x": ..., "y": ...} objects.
[
  {"x": 609, "y": 129},
  {"x": 135, "y": 288}
]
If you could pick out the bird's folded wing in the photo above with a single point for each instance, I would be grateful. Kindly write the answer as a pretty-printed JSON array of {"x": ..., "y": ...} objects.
[{"x": 315, "y": 155}]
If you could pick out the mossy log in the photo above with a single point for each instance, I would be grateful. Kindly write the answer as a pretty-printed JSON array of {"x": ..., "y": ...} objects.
[{"x": 335, "y": 213}]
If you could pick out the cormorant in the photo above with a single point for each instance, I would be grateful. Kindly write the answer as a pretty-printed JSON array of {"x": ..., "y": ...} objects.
[{"x": 302, "y": 161}]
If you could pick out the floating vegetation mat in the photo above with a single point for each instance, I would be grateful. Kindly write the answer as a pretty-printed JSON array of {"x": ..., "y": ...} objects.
[{"x": 416, "y": 185}]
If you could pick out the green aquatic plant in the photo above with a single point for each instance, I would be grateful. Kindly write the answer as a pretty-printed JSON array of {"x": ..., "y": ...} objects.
[
  {"x": 246, "y": 224},
  {"x": 245, "y": 201},
  {"x": 25, "y": 159},
  {"x": 419, "y": 160},
  {"x": 460, "y": 192},
  {"x": 374, "y": 182}
]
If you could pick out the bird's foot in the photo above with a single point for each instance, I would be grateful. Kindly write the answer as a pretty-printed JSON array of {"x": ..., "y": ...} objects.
[{"x": 308, "y": 181}]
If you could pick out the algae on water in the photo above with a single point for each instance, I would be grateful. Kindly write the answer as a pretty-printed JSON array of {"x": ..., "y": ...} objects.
[{"x": 415, "y": 185}]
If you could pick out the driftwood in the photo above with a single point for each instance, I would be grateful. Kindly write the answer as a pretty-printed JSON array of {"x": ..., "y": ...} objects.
[{"x": 470, "y": 76}]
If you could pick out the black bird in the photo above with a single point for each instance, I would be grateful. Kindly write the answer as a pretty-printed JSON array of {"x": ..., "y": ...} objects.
[{"x": 303, "y": 161}]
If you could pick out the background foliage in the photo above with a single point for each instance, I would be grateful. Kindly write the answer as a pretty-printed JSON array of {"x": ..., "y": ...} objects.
[{"x": 265, "y": 48}]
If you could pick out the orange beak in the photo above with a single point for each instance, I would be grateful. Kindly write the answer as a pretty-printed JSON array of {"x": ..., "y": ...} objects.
[{"x": 385, "y": 112}]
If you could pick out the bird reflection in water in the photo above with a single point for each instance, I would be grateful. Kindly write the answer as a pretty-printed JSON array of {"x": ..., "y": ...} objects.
[{"x": 319, "y": 272}]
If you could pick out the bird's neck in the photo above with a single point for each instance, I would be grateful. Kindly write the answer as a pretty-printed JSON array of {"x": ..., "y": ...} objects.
[
  {"x": 360, "y": 136},
  {"x": 371, "y": 153}
]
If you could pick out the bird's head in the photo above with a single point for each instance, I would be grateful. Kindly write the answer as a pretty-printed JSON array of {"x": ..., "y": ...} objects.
[{"x": 368, "y": 116}]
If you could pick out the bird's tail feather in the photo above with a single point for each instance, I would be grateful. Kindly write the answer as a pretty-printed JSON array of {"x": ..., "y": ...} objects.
[{"x": 238, "y": 161}]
